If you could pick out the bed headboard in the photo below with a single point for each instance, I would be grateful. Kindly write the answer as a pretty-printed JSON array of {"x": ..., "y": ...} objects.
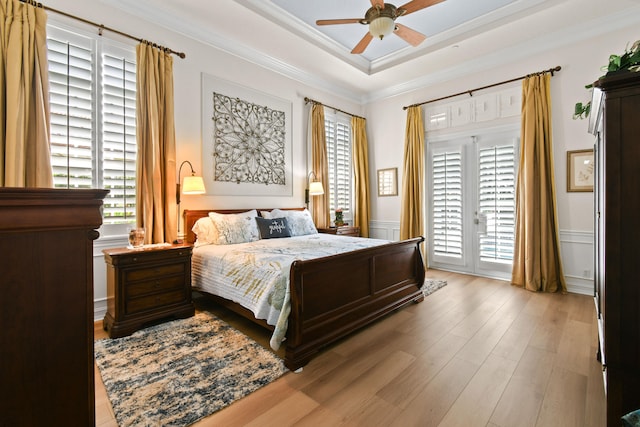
[{"x": 192, "y": 215}]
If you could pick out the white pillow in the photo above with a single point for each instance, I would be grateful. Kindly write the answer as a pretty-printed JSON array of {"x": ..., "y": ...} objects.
[
  {"x": 205, "y": 232},
  {"x": 235, "y": 228},
  {"x": 300, "y": 222}
]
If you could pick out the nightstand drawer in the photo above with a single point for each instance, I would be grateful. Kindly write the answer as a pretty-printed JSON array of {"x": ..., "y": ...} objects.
[
  {"x": 348, "y": 231},
  {"x": 157, "y": 271},
  {"x": 136, "y": 305},
  {"x": 145, "y": 286},
  {"x": 344, "y": 230},
  {"x": 160, "y": 284}
]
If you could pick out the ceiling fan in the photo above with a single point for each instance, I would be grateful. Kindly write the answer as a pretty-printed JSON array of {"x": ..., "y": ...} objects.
[{"x": 381, "y": 21}]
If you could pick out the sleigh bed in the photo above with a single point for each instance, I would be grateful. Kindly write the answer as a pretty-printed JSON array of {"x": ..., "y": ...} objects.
[{"x": 330, "y": 296}]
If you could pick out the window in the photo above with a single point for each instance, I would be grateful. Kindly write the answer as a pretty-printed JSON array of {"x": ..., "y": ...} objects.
[
  {"x": 496, "y": 198},
  {"x": 338, "y": 138},
  {"x": 447, "y": 203},
  {"x": 472, "y": 202},
  {"x": 93, "y": 119}
]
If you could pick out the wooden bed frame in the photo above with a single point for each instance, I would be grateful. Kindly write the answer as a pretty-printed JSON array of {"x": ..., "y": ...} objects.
[{"x": 335, "y": 295}]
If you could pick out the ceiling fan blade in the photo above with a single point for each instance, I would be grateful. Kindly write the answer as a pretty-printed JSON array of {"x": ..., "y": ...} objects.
[
  {"x": 412, "y": 37},
  {"x": 378, "y": 3},
  {"x": 362, "y": 44},
  {"x": 416, "y": 5},
  {"x": 337, "y": 21}
]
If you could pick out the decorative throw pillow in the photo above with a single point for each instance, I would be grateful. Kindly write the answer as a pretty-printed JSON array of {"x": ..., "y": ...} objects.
[
  {"x": 273, "y": 228},
  {"x": 205, "y": 232},
  {"x": 235, "y": 228},
  {"x": 300, "y": 222}
]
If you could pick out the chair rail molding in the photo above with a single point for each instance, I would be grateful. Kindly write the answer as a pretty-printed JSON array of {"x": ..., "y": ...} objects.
[{"x": 576, "y": 248}]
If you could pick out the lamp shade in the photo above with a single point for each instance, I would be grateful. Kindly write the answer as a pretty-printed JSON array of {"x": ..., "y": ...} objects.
[
  {"x": 193, "y": 185},
  {"x": 381, "y": 26},
  {"x": 315, "y": 188}
]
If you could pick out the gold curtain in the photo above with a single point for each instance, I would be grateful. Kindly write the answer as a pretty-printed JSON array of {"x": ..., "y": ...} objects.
[
  {"x": 319, "y": 204},
  {"x": 537, "y": 264},
  {"x": 25, "y": 151},
  {"x": 156, "y": 162},
  {"x": 361, "y": 173},
  {"x": 411, "y": 216}
]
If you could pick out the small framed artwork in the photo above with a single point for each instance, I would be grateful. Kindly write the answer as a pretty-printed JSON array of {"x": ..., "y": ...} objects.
[
  {"x": 580, "y": 170},
  {"x": 388, "y": 182}
]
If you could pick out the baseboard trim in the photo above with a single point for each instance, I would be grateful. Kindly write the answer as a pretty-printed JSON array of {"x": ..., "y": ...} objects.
[{"x": 99, "y": 309}]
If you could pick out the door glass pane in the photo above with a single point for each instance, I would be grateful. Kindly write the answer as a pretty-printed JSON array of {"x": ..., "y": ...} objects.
[
  {"x": 496, "y": 198},
  {"x": 447, "y": 203}
]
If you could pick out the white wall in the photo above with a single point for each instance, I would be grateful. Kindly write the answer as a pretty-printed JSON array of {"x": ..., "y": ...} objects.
[
  {"x": 581, "y": 64},
  {"x": 187, "y": 90},
  {"x": 385, "y": 122}
]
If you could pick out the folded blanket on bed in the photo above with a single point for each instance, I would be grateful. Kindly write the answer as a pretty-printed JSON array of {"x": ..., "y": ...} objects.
[{"x": 256, "y": 274}]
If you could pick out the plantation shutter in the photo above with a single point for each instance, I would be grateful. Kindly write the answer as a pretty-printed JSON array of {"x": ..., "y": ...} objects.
[
  {"x": 338, "y": 139},
  {"x": 71, "y": 71},
  {"x": 93, "y": 119},
  {"x": 447, "y": 203},
  {"x": 119, "y": 137},
  {"x": 496, "y": 199}
]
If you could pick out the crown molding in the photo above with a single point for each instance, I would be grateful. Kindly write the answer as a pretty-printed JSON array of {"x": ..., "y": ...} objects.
[
  {"x": 555, "y": 40},
  {"x": 569, "y": 35},
  {"x": 144, "y": 10},
  {"x": 296, "y": 26}
]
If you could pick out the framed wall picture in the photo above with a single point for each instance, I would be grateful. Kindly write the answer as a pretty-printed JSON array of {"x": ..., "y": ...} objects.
[
  {"x": 388, "y": 182},
  {"x": 580, "y": 170}
]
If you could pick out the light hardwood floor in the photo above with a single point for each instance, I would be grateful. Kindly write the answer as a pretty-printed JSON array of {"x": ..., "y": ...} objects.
[{"x": 478, "y": 352}]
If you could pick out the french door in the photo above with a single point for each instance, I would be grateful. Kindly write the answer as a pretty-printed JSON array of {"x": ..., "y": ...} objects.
[{"x": 471, "y": 202}]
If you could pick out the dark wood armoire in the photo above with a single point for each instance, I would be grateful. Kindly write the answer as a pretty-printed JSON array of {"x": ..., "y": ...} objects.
[
  {"x": 615, "y": 121},
  {"x": 46, "y": 306}
]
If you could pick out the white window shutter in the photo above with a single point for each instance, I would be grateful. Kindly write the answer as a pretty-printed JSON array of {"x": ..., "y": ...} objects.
[
  {"x": 447, "y": 203},
  {"x": 496, "y": 198},
  {"x": 119, "y": 137},
  {"x": 93, "y": 119},
  {"x": 71, "y": 75},
  {"x": 338, "y": 139}
]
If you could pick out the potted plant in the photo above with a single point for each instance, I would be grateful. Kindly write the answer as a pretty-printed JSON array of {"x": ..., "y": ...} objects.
[
  {"x": 339, "y": 221},
  {"x": 628, "y": 61}
]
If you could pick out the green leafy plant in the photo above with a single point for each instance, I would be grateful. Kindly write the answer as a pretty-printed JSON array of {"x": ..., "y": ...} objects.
[{"x": 629, "y": 60}]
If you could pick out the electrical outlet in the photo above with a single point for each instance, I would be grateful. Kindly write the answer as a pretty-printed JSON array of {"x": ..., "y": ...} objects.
[{"x": 586, "y": 274}]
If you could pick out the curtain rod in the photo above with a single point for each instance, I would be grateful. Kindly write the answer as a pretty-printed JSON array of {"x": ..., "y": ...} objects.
[
  {"x": 308, "y": 100},
  {"x": 470, "y": 92},
  {"x": 102, "y": 27}
]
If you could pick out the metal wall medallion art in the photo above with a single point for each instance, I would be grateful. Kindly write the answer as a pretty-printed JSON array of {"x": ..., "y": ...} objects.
[{"x": 246, "y": 141}]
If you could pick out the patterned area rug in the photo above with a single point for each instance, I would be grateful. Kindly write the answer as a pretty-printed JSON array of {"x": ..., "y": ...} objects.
[
  {"x": 430, "y": 286},
  {"x": 176, "y": 373}
]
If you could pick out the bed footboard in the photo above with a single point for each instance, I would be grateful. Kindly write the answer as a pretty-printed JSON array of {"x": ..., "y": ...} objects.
[{"x": 336, "y": 295}]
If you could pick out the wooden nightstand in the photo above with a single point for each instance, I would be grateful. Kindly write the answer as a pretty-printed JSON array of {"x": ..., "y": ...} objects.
[
  {"x": 344, "y": 230},
  {"x": 145, "y": 285}
]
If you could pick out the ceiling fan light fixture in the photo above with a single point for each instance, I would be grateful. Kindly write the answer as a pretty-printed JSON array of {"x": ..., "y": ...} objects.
[{"x": 381, "y": 27}]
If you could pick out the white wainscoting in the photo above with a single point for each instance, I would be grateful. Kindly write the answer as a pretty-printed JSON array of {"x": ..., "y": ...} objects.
[
  {"x": 387, "y": 230},
  {"x": 100, "y": 272},
  {"x": 576, "y": 248}
]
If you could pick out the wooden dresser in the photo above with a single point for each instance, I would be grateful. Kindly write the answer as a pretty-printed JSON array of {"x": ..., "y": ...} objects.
[
  {"x": 146, "y": 285},
  {"x": 615, "y": 120},
  {"x": 46, "y": 308}
]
